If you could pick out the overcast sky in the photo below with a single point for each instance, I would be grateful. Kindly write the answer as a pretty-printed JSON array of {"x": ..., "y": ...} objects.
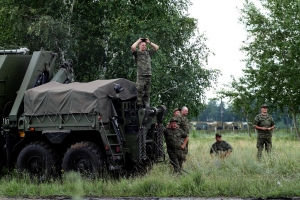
[{"x": 218, "y": 19}]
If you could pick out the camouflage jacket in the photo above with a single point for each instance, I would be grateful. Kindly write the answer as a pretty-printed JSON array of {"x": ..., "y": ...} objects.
[
  {"x": 263, "y": 121},
  {"x": 219, "y": 147},
  {"x": 143, "y": 62},
  {"x": 183, "y": 123},
  {"x": 174, "y": 138}
]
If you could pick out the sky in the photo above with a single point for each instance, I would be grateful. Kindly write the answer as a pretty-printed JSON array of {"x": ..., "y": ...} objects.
[{"x": 218, "y": 19}]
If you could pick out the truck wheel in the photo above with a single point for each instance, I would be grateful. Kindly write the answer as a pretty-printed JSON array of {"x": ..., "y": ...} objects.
[
  {"x": 38, "y": 160},
  {"x": 85, "y": 158}
]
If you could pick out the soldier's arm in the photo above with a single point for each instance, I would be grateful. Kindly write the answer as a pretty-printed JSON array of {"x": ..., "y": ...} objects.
[
  {"x": 255, "y": 125},
  {"x": 155, "y": 46},
  {"x": 264, "y": 128},
  {"x": 227, "y": 153},
  {"x": 186, "y": 138},
  {"x": 228, "y": 150},
  {"x": 271, "y": 128},
  {"x": 134, "y": 45},
  {"x": 255, "y": 122},
  {"x": 272, "y": 125},
  {"x": 165, "y": 129},
  {"x": 184, "y": 142}
]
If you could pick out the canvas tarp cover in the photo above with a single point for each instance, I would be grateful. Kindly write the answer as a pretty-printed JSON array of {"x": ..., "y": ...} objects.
[{"x": 55, "y": 98}]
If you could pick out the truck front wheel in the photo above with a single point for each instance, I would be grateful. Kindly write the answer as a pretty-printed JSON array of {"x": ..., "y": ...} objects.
[
  {"x": 85, "y": 158},
  {"x": 38, "y": 160}
]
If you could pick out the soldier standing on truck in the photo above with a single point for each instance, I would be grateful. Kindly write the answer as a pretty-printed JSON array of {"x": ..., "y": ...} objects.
[
  {"x": 142, "y": 57},
  {"x": 176, "y": 140},
  {"x": 264, "y": 124}
]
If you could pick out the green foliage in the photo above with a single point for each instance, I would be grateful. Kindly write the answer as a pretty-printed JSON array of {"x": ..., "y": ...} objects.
[
  {"x": 239, "y": 175},
  {"x": 272, "y": 62},
  {"x": 98, "y": 35},
  {"x": 212, "y": 112}
]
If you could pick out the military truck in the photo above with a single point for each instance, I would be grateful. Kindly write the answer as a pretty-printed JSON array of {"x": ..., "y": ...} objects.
[{"x": 52, "y": 124}]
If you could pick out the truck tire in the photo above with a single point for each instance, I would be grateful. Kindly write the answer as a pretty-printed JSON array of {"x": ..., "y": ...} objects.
[
  {"x": 85, "y": 158},
  {"x": 38, "y": 160}
]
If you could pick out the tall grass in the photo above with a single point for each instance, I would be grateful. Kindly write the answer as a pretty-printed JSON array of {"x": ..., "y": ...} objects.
[{"x": 239, "y": 175}]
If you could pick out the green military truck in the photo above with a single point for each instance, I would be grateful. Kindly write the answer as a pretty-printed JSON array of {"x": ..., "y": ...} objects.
[{"x": 51, "y": 124}]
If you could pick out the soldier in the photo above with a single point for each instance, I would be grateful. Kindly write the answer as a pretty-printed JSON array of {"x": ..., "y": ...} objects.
[
  {"x": 176, "y": 112},
  {"x": 264, "y": 124},
  {"x": 176, "y": 141},
  {"x": 142, "y": 58},
  {"x": 183, "y": 124},
  {"x": 220, "y": 148}
]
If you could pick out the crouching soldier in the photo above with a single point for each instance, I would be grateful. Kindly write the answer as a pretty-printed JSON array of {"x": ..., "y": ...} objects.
[
  {"x": 176, "y": 140},
  {"x": 220, "y": 148}
]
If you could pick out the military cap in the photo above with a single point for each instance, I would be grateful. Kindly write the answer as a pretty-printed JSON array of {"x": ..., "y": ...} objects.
[
  {"x": 176, "y": 109},
  {"x": 173, "y": 119},
  {"x": 218, "y": 135},
  {"x": 264, "y": 105}
]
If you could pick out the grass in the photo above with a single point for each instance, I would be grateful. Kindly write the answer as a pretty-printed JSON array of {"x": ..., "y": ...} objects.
[{"x": 240, "y": 175}]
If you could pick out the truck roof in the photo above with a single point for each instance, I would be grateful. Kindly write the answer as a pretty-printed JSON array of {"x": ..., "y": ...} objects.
[{"x": 55, "y": 98}]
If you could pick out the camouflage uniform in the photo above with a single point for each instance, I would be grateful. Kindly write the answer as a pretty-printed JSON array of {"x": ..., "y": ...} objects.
[
  {"x": 220, "y": 148},
  {"x": 143, "y": 83},
  {"x": 183, "y": 124},
  {"x": 264, "y": 137},
  {"x": 174, "y": 139}
]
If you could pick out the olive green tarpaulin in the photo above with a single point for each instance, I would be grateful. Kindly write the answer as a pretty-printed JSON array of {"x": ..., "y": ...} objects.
[{"x": 55, "y": 98}]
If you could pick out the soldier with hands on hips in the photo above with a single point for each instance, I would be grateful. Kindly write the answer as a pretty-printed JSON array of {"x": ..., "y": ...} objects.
[{"x": 176, "y": 140}]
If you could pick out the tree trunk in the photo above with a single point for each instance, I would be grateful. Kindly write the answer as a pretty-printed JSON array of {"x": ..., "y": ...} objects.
[{"x": 295, "y": 125}]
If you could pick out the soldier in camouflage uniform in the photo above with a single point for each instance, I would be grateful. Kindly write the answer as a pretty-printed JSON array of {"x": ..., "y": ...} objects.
[
  {"x": 183, "y": 124},
  {"x": 176, "y": 114},
  {"x": 264, "y": 124},
  {"x": 142, "y": 57},
  {"x": 176, "y": 140},
  {"x": 220, "y": 148}
]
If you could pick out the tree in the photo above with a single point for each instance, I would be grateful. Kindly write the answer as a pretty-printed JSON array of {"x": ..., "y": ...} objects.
[
  {"x": 272, "y": 49},
  {"x": 242, "y": 100},
  {"x": 97, "y": 35},
  {"x": 211, "y": 111}
]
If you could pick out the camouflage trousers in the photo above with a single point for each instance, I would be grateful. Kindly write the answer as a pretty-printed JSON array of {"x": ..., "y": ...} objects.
[
  {"x": 176, "y": 158},
  {"x": 143, "y": 88},
  {"x": 261, "y": 143}
]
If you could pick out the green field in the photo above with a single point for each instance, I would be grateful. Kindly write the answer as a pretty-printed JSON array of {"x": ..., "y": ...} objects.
[{"x": 240, "y": 175}]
